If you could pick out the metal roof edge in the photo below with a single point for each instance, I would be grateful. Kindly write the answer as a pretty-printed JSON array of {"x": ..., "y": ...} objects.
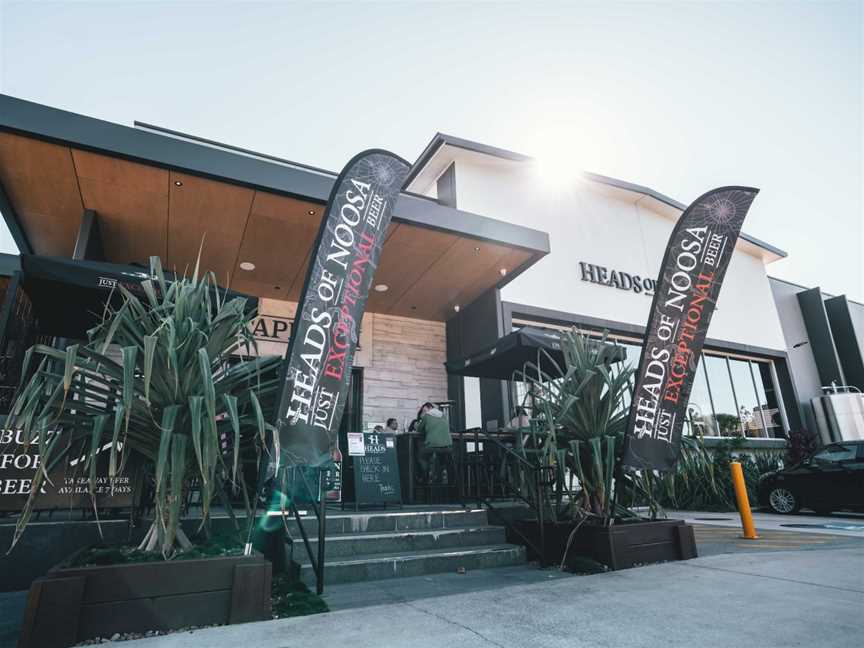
[
  {"x": 226, "y": 163},
  {"x": 663, "y": 198}
]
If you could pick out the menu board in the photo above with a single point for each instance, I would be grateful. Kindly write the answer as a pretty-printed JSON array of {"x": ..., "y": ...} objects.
[{"x": 376, "y": 471}]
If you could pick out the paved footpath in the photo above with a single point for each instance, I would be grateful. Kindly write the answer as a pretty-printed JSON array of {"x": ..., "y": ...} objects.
[
  {"x": 850, "y": 525},
  {"x": 810, "y": 597}
]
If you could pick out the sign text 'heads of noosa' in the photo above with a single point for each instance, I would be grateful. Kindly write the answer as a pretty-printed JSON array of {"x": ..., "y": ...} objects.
[
  {"x": 697, "y": 255},
  {"x": 326, "y": 329}
]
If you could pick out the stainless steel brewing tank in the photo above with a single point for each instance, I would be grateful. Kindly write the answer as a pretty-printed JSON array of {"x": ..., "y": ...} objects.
[{"x": 839, "y": 416}]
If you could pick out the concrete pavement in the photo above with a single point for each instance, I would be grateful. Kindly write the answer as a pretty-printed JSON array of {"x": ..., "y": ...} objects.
[
  {"x": 839, "y": 524},
  {"x": 782, "y": 598}
]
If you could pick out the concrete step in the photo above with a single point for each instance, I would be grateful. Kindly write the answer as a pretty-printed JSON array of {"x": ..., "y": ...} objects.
[
  {"x": 390, "y": 521},
  {"x": 360, "y": 544},
  {"x": 415, "y": 563}
]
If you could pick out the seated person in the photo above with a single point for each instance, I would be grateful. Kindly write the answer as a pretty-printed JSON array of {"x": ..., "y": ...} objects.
[
  {"x": 435, "y": 430},
  {"x": 392, "y": 426}
]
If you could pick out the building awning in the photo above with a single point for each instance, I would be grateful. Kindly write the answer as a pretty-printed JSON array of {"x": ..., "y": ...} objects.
[
  {"x": 159, "y": 194},
  {"x": 69, "y": 296},
  {"x": 511, "y": 352}
]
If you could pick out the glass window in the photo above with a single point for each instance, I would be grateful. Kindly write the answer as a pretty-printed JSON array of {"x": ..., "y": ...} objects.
[
  {"x": 749, "y": 410},
  {"x": 768, "y": 399},
  {"x": 726, "y": 421},
  {"x": 700, "y": 414}
]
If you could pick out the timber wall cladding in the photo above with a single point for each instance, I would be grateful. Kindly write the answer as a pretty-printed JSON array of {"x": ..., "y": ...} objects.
[
  {"x": 406, "y": 368},
  {"x": 403, "y": 361}
]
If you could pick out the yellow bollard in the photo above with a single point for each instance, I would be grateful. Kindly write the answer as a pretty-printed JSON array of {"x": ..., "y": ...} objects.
[{"x": 743, "y": 502}]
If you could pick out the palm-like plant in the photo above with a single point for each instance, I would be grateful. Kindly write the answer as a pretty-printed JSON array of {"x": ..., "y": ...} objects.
[
  {"x": 582, "y": 413},
  {"x": 175, "y": 392}
]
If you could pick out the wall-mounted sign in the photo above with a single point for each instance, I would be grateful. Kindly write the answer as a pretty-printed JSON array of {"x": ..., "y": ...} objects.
[
  {"x": 356, "y": 448},
  {"x": 616, "y": 279},
  {"x": 272, "y": 329},
  {"x": 69, "y": 480}
]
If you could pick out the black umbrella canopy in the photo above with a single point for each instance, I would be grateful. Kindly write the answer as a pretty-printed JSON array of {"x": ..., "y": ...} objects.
[
  {"x": 511, "y": 352},
  {"x": 69, "y": 296}
]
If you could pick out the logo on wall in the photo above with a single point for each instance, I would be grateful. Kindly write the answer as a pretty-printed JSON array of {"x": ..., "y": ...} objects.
[
  {"x": 695, "y": 262},
  {"x": 616, "y": 279},
  {"x": 272, "y": 329},
  {"x": 327, "y": 325}
]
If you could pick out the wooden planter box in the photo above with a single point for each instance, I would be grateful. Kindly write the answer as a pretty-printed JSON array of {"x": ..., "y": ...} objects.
[
  {"x": 619, "y": 546},
  {"x": 69, "y": 605}
]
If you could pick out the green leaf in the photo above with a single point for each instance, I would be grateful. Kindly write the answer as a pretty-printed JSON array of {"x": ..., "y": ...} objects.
[
  {"x": 231, "y": 403},
  {"x": 150, "y": 342},
  {"x": 95, "y": 446},
  {"x": 115, "y": 438}
]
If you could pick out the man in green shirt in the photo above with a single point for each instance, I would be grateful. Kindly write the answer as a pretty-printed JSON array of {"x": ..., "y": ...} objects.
[{"x": 437, "y": 441}]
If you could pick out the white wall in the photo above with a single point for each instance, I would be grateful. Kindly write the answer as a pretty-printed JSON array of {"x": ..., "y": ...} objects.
[{"x": 621, "y": 232}]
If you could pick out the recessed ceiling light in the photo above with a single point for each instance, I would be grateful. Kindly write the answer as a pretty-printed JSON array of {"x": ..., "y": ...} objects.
[
  {"x": 277, "y": 287},
  {"x": 247, "y": 265},
  {"x": 311, "y": 212},
  {"x": 456, "y": 308},
  {"x": 381, "y": 287},
  {"x": 177, "y": 183},
  {"x": 503, "y": 272}
]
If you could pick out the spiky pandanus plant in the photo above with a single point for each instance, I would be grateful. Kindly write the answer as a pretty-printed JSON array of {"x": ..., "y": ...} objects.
[
  {"x": 171, "y": 396},
  {"x": 580, "y": 408}
]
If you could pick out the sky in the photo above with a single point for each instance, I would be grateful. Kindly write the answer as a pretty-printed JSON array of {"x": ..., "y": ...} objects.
[{"x": 679, "y": 96}]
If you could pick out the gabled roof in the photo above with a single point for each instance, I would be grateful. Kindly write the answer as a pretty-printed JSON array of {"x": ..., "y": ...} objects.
[{"x": 442, "y": 139}]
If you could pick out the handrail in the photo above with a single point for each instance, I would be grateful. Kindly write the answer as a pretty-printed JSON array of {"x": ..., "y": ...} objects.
[
  {"x": 539, "y": 486},
  {"x": 321, "y": 514}
]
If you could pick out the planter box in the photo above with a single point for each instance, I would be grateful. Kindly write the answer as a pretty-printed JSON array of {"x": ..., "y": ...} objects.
[
  {"x": 619, "y": 546},
  {"x": 69, "y": 605}
]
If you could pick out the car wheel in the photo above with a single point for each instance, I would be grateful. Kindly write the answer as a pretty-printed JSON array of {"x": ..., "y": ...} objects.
[{"x": 782, "y": 500}]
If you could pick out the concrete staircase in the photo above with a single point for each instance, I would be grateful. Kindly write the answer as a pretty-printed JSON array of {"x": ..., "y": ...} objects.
[{"x": 393, "y": 544}]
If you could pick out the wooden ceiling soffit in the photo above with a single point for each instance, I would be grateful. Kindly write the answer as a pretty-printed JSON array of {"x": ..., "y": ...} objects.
[
  {"x": 131, "y": 200},
  {"x": 467, "y": 269},
  {"x": 408, "y": 254},
  {"x": 39, "y": 179},
  {"x": 215, "y": 212},
  {"x": 279, "y": 235}
]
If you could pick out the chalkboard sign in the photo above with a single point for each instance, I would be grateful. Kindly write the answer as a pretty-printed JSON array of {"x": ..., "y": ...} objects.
[{"x": 376, "y": 471}]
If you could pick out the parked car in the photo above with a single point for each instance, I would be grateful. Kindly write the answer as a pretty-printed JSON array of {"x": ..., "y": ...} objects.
[{"x": 829, "y": 480}]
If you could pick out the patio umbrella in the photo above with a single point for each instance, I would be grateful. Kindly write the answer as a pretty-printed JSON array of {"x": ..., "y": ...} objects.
[
  {"x": 512, "y": 351},
  {"x": 68, "y": 295}
]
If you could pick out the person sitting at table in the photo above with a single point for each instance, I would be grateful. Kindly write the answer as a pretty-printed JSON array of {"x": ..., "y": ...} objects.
[
  {"x": 437, "y": 441},
  {"x": 521, "y": 420},
  {"x": 392, "y": 426}
]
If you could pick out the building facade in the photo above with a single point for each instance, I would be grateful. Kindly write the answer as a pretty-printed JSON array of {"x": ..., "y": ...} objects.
[
  {"x": 480, "y": 245},
  {"x": 608, "y": 238}
]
